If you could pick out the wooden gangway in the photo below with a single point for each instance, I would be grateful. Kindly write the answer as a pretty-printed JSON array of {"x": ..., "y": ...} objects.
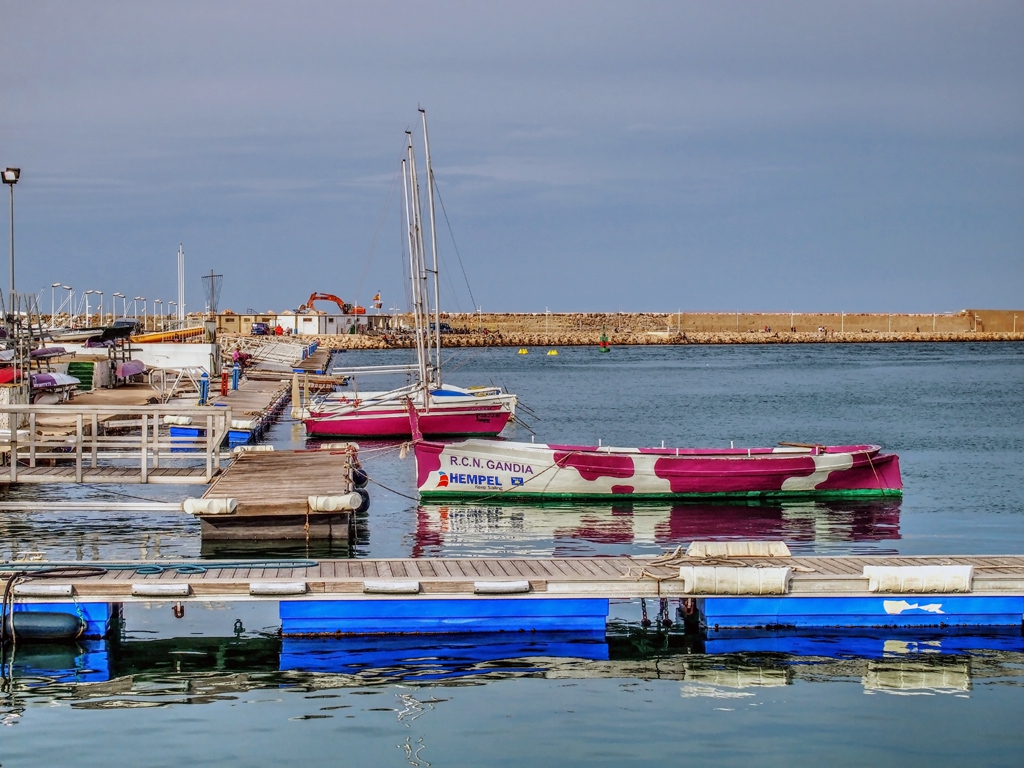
[{"x": 72, "y": 443}]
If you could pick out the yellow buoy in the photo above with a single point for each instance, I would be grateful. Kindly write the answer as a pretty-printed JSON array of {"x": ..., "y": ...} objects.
[
  {"x": 552, "y": 352},
  {"x": 524, "y": 351}
]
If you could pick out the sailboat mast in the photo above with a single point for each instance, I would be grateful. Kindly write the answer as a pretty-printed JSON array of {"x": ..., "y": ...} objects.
[
  {"x": 407, "y": 184},
  {"x": 433, "y": 248},
  {"x": 421, "y": 252}
]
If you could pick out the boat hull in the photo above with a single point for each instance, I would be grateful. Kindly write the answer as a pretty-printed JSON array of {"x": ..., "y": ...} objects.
[
  {"x": 395, "y": 423},
  {"x": 495, "y": 469},
  {"x": 382, "y": 415}
]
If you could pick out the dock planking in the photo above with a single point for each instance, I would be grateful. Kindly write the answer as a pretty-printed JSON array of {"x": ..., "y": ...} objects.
[
  {"x": 272, "y": 489},
  {"x": 577, "y": 577},
  {"x": 316, "y": 363}
]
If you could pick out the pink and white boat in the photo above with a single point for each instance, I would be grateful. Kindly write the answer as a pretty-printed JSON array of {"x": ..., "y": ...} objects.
[
  {"x": 447, "y": 411},
  {"x": 498, "y": 469}
]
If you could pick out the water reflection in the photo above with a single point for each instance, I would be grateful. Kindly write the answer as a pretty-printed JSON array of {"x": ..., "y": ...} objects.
[
  {"x": 624, "y": 528},
  {"x": 164, "y": 672}
]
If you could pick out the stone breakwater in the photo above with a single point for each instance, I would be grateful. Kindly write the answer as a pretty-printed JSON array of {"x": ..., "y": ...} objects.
[{"x": 642, "y": 338}]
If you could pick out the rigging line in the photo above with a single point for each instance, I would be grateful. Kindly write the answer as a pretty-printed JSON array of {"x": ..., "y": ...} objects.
[
  {"x": 95, "y": 487},
  {"x": 392, "y": 490},
  {"x": 444, "y": 211},
  {"x": 376, "y": 234}
]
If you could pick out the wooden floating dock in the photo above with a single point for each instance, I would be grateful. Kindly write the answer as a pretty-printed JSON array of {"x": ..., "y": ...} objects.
[
  {"x": 273, "y": 491},
  {"x": 492, "y": 594},
  {"x": 255, "y": 405},
  {"x": 315, "y": 362}
]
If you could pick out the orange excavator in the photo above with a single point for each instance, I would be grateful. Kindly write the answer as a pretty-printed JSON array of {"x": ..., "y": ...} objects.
[{"x": 345, "y": 307}]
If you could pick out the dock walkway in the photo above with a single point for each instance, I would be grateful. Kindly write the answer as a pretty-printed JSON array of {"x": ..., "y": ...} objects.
[
  {"x": 580, "y": 577},
  {"x": 272, "y": 491}
]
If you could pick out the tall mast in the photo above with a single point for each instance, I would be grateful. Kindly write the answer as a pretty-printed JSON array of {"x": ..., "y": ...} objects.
[
  {"x": 421, "y": 273},
  {"x": 433, "y": 248},
  {"x": 408, "y": 185}
]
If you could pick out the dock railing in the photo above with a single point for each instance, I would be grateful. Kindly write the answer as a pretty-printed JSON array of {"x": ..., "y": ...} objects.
[{"x": 93, "y": 436}]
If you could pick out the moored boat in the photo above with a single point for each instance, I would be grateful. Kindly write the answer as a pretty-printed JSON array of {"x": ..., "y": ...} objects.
[
  {"x": 441, "y": 409},
  {"x": 495, "y": 468},
  {"x": 446, "y": 412}
]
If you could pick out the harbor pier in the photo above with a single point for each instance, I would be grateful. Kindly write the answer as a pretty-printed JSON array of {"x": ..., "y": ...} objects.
[{"x": 750, "y": 586}]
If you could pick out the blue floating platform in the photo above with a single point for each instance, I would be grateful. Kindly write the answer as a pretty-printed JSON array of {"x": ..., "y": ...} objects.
[
  {"x": 433, "y": 616},
  {"x": 882, "y": 611}
]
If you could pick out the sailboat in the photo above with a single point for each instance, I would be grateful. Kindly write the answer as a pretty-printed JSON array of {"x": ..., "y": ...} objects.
[{"x": 441, "y": 409}]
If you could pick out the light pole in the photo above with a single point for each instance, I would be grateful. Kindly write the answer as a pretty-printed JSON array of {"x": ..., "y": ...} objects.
[
  {"x": 159, "y": 317},
  {"x": 88, "y": 314},
  {"x": 146, "y": 316},
  {"x": 169, "y": 305},
  {"x": 53, "y": 309},
  {"x": 124, "y": 304},
  {"x": 71, "y": 317},
  {"x": 101, "y": 306},
  {"x": 10, "y": 177}
]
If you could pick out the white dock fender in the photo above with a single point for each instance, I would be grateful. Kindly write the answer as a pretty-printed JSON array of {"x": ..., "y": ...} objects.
[
  {"x": 210, "y": 506},
  {"x": 242, "y": 424},
  {"x": 35, "y": 589},
  {"x": 737, "y": 549},
  {"x": 247, "y": 448},
  {"x": 161, "y": 590},
  {"x": 339, "y": 447},
  {"x": 500, "y": 587},
  {"x": 390, "y": 587},
  {"x": 343, "y": 501},
  {"x": 271, "y": 588},
  {"x": 908, "y": 579},
  {"x": 734, "y": 580},
  {"x": 178, "y": 421}
]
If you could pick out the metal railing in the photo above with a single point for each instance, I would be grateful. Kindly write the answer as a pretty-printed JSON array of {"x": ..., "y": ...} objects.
[{"x": 95, "y": 435}]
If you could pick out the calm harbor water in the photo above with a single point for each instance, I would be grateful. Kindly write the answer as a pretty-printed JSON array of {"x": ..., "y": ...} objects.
[{"x": 954, "y": 413}]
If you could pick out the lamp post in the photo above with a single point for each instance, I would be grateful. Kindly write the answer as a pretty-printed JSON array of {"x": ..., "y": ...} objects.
[
  {"x": 10, "y": 177},
  {"x": 71, "y": 317},
  {"x": 145, "y": 314},
  {"x": 100, "y": 310},
  {"x": 169, "y": 305},
  {"x": 88, "y": 314},
  {"x": 53, "y": 307},
  {"x": 124, "y": 304},
  {"x": 157, "y": 312}
]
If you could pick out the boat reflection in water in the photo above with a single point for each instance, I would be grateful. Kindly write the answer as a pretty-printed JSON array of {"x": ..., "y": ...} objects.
[
  {"x": 622, "y": 528},
  {"x": 197, "y": 670}
]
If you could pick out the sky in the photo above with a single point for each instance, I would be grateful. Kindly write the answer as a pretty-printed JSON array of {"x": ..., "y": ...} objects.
[{"x": 590, "y": 156}]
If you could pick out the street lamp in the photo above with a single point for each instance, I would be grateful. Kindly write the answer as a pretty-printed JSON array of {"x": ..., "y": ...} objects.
[
  {"x": 88, "y": 314},
  {"x": 156, "y": 311},
  {"x": 100, "y": 309},
  {"x": 71, "y": 316},
  {"x": 144, "y": 312},
  {"x": 124, "y": 304},
  {"x": 53, "y": 309},
  {"x": 10, "y": 177}
]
